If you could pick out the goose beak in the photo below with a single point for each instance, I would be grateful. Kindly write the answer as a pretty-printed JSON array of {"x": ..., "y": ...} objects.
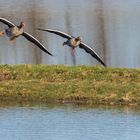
[{"x": 1, "y": 33}]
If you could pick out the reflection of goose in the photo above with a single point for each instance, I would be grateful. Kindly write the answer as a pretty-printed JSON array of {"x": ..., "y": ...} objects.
[
  {"x": 75, "y": 42},
  {"x": 15, "y": 31}
]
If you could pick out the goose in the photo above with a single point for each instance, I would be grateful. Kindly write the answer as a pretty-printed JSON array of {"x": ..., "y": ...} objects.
[
  {"x": 14, "y": 31},
  {"x": 74, "y": 42}
]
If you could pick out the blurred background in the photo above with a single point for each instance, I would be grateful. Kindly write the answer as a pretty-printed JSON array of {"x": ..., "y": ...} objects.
[{"x": 111, "y": 28}]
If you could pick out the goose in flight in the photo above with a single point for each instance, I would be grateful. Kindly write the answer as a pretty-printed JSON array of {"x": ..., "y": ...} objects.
[
  {"x": 74, "y": 42},
  {"x": 15, "y": 31}
]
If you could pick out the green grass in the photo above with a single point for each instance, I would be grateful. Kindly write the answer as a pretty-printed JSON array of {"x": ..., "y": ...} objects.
[{"x": 80, "y": 84}]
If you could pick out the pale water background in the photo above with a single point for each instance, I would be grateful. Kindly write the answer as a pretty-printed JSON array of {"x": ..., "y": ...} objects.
[
  {"x": 68, "y": 122},
  {"x": 111, "y": 27}
]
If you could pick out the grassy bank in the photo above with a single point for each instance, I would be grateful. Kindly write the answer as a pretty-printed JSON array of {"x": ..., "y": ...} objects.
[{"x": 83, "y": 84}]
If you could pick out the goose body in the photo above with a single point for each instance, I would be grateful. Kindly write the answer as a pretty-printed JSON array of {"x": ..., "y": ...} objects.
[
  {"x": 74, "y": 42},
  {"x": 14, "y": 31}
]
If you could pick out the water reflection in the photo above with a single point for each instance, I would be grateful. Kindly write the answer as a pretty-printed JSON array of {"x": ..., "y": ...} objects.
[{"x": 111, "y": 27}]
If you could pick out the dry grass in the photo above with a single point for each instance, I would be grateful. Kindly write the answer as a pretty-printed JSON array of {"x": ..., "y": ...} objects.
[{"x": 84, "y": 84}]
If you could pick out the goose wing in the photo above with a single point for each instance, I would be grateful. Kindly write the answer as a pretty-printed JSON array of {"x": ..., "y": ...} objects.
[
  {"x": 35, "y": 41},
  {"x": 62, "y": 34},
  {"x": 92, "y": 52},
  {"x": 7, "y": 22}
]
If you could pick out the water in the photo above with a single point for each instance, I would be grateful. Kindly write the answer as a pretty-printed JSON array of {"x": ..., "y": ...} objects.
[
  {"x": 68, "y": 122},
  {"x": 110, "y": 27}
]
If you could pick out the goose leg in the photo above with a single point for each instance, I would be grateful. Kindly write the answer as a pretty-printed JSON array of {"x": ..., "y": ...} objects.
[
  {"x": 1, "y": 33},
  {"x": 73, "y": 50},
  {"x": 11, "y": 41}
]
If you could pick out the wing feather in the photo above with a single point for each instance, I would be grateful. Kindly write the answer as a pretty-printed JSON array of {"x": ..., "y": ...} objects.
[
  {"x": 92, "y": 52},
  {"x": 36, "y": 42},
  {"x": 62, "y": 34},
  {"x": 7, "y": 22}
]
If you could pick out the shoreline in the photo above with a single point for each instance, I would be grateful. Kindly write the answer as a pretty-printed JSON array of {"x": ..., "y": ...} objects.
[{"x": 70, "y": 84}]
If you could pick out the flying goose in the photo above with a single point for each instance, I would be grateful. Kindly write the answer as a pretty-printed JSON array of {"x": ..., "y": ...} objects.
[
  {"x": 74, "y": 42},
  {"x": 15, "y": 31}
]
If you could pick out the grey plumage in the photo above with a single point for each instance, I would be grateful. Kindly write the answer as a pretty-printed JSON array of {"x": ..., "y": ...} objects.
[
  {"x": 14, "y": 31},
  {"x": 71, "y": 40}
]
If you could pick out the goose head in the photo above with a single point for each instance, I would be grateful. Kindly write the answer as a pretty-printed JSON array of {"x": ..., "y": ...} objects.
[
  {"x": 78, "y": 38},
  {"x": 22, "y": 24}
]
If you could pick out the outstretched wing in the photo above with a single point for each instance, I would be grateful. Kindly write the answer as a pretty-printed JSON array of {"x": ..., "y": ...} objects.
[
  {"x": 62, "y": 34},
  {"x": 92, "y": 52},
  {"x": 35, "y": 41},
  {"x": 7, "y": 22}
]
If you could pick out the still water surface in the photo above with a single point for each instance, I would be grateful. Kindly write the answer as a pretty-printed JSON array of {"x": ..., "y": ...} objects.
[
  {"x": 68, "y": 122},
  {"x": 110, "y": 27}
]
